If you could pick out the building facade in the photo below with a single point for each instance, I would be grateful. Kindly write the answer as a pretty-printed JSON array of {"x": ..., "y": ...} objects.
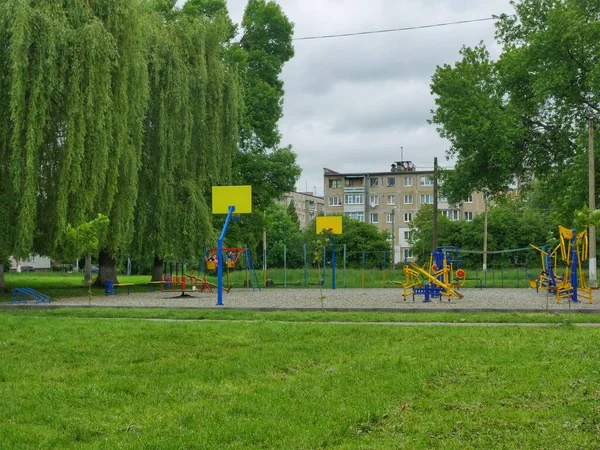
[
  {"x": 308, "y": 206},
  {"x": 391, "y": 200}
]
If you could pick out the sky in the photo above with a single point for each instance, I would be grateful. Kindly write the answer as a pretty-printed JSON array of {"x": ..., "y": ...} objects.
[{"x": 359, "y": 103}]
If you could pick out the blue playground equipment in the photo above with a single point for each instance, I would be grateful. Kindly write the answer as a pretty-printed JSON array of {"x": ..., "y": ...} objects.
[{"x": 27, "y": 295}]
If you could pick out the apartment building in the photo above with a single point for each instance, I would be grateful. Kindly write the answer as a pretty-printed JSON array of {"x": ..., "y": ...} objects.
[
  {"x": 391, "y": 200},
  {"x": 308, "y": 206}
]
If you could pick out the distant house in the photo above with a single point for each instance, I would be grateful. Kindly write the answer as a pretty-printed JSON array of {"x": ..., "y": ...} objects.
[{"x": 33, "y": 263}]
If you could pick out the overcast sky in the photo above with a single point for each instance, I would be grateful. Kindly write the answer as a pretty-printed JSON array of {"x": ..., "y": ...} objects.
[{"x": 351, "y": 103}]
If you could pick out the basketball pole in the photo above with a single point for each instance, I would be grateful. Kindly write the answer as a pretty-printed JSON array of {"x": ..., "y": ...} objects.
[{"x": 220, "y": 257}]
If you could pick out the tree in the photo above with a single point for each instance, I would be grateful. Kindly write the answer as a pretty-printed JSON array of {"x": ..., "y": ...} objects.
[
  {"x": 358, "y": 237},
  {"x": 264, "y": 47},
  {"x": 522, "y": 116},
  {"x": 512, "y": 224},
  {"x": 84, "y": 240},
  {"x": 74, "y": 95},
  {"x": 421, "y": 235},
  {"x": 291, "y": 211},
  {"x": 283, "y": 230},
  {"x": 191, "y": 137}
]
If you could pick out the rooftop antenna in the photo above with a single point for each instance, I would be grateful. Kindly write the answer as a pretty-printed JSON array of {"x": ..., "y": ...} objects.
[{"x": 401, "y": 153}]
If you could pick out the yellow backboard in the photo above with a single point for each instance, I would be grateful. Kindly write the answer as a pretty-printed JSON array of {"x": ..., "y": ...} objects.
[
  {"x": 225, "y": 196},
  {"x": 327, "y": 223}
]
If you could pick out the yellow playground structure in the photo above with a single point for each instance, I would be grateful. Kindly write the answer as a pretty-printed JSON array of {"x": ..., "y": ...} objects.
[
  {"x": 571, "y": 251},
  {"x": 440, "y": 278}
]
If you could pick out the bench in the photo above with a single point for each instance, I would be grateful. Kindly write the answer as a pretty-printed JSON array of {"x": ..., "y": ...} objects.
[
  {"x": 152, "y": 283},
  {"x": 25, "y": 295},
  {"x": 113, "y": 289},
  {"x": 118, "y": 285}
]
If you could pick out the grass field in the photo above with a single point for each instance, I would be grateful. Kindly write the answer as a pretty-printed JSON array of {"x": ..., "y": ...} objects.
[{"x": 72, "y": 382}]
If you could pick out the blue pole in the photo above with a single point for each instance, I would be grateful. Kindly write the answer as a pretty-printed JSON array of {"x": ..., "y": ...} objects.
[
  {"x": 573, "y": 256},
  {"x": 305, "y": 266},
  {"x": 220, "y": 257},
  {"x": 345, "y": 265},
  {"x": 324, "y": 264}
]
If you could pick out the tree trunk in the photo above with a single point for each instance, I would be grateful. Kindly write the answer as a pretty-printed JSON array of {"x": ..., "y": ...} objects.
[
  {"x": 157, "y": 270},
  {"x": 87, "y": 271},
  {"x": 2, "y": 285},
  {"x": 107, "y": 268}
]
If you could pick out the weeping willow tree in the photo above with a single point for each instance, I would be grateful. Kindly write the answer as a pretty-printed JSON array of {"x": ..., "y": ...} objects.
[
  {"x": 191, "y": 135},
  {"x": 74, "y": 93}
]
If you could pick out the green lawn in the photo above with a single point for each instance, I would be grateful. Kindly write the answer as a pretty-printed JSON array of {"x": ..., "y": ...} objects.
[
  {"x": 69, "y": 382},
  {"x": 61, "y": 284},
  {"x": 565, "y": 317}
]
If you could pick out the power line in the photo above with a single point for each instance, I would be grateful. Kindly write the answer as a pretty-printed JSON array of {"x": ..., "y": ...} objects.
[{"x": 392, "y": 30}]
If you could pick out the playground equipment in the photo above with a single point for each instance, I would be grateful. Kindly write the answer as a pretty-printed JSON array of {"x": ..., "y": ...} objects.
[
  {"x": 441, "y": 280},
  {"x": 573, "y": 249},
  {"x": 330, "y": 225},
  {"x": 231, "y": 256}
]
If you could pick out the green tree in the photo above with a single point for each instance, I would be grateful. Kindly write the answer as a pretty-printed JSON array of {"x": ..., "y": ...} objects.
[
  {"x": 191, "y": 137},
  {"x": 524, "y": 115},
  {"x": 73, "y": 98},
  {"x": 358, "y": 237},
  {"x": 291, "y": 211},
  {"x": 283, "y": 230},
  {"x": 421, "y": 236},
  {"x": 512, "y": 224},
  {"x": 264, "y": 46}
]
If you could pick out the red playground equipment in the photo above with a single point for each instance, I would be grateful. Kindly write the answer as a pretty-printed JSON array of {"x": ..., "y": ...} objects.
[{"x": 211, "y": 261}]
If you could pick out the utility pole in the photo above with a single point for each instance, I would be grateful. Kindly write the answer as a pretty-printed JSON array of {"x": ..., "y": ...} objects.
[
  {"x": 593, "y": 281},
  {"x": 485, "y": 232},
  {"x": 435, "y": 203}
]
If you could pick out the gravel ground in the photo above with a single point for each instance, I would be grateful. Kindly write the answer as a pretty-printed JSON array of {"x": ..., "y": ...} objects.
[{"x": 384, "y": 299}]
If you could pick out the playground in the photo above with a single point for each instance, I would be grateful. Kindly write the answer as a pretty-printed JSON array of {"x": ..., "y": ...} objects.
[{"x": 506, "y": 299}]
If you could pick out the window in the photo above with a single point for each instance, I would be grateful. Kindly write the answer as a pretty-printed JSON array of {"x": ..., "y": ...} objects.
[
  {"x": 373, "y": 200},
  {"x": 468, "y": 215},
  {"x": 455, "y": 214},
  {"x": 354, "y": 182},
  {"x": 408, "y": 199},
  {"x": 335, "y": 183},
  {"x": 391, "y": 181},
  {"x": 407, "y": 181},
  {"x": 335, "y": 201},
  {"x": 389, "y": 235},
  {"x": 360, "y": 216},
  {"x": 427, "y": 199},
  {"x": 354, "y": 199},
  {"x": 374, "y": 218},
  {"x": 374, "y": 182},
  {"x": 469, "y": 199},
  {"x": 407, "y": 235},
  {"x": 408, "y": 217},
  {"x": 389, "y": 217},
  {"x": 301, "y": 217},
  {"x": 391, "y": 199},
  {"x": 426, "y": 181}
]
